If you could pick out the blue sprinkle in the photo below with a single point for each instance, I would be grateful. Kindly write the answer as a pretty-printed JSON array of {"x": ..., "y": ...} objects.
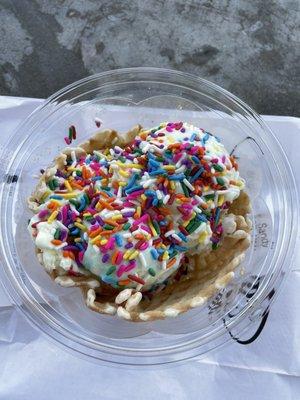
[
  {"x": 82, "y": 204},
  {"x": 201, "y": 217},
  {"x": 154, "y": 163},
  {"x": 163, "y": 223},
  {"x": 205, "y": 138},
  {"x": 131, "y": 181},
  {"x": 109, "y": 279},
  {"x": 195, "y": 159},
  {"x": 119, "y": 240},
  {"x": 182, "y": 236},
  {"x": 55, "y": 197},
  {"x": 180, "y": 248},
  {"x": 197, "y": 174},
  {"x": 154, "y": 254},
  {"x": 193, "y": 137},
  {"x": 74, "y": 231},
  {"x": 96, "y": 178},
  {"x": 150, "y": 193},
  {"x": 79, "y": 245},
  {"x": 158, "y": 172},
  {"x": 133, "y": 189},
  {"x": 154, "y": 202},
  {"x": 160, "y": 251},
  {"x": 176, "y": 177},
  {"x": 217, "y": 215}
]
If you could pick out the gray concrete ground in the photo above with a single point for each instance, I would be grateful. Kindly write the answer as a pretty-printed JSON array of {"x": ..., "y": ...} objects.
[{"x": 251, "y": 48}]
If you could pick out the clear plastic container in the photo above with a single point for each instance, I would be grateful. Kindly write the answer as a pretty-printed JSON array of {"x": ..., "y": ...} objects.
[{"x": 122, "y": 98}]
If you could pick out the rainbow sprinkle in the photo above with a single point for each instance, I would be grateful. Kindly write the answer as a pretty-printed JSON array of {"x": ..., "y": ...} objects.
[{"x": 135, "y": 211}]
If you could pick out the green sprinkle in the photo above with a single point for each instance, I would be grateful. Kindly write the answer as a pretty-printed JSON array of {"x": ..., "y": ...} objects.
[
  {"x": 70, "y": 133},
  {"x": 185, "y": 190},
  {"x": 87, "y": 200},
  {"x": 52, "y": 184},
  {"x": 126, "y": 226},
  {"x": 187, "y": 172},
  {"x": 74, "y": 202},
  {"x": 218, "y": 167},
  {"x": 193, "y": 225},
  {"x": 106, "y": 188},
  {"x": 220, "y": 181},
  {"x": 111, "y": 270},
  {"x": 151, "y": 272},
  {"x": 78, "y": 172},
  {"x": 160, "y": 203},
  {"x": 156, "y": 226},
  {"x": 57, "y": 234},
  {"x": 214, "y": 246},
  {"x": 209, "y": 196},
  {"x": 108, "y": 227},
  {"x": 88, "y": 217},
  {"x": 123, "y": 159}
]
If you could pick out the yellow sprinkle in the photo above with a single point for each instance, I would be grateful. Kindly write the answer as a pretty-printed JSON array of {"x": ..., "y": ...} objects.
[
  {"x": 52, "y": 217},
  {"x": 115, "y": 217},
  {"x": 104, "y": 182},
  {"x": 169, "y": 167},
  {"x": 71, "y": 169},
  {"x": 171, "y": 139},
  {"x": 68, "y": 186},
  {"x": 133, "y": 255},
  {"x": 220, "y": 200},
  {"x": 87, "y": 214},
  {"x": 143, "y": 197},
  {"x": 185, "y": 223},
  {"x": 68, "y": 195},
  {"x": 80, "y": 226},
  {"x": 126, "y": 255},
  {"x": 138, "y": 212},
  {"x": 165, "y": 256},
  {"x": 172, "y": 185},
  {"x": 202, "y": 236},
  {"x": 130, "y": 165},
  {"x": 124, "y": 174},
  {"x": 122, "y": 183},
  {"x": 77, "y": 240},
  {"x": 103, "y": 242},
  {"x": 163, "y": 246},
  {"x": 45, "y": 195},
  {"x": 95, "y": 240},
  {"x": 154, "y": 233}
]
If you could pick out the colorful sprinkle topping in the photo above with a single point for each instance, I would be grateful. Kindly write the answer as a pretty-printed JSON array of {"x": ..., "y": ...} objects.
[{"x": 129, "y": 215}]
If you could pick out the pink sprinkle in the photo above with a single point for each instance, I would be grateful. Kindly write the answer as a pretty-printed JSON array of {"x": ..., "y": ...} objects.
[
  {"x": 67, "y": 140},
  {"x": 146, "y": 228},
  {"x": 94, "y": 227},
  {"x": 194, "y": 149},
  {"x": 223, "y": 159},
  {"x": 129, "y": 267},
  {"x": 128, "y": 204},
  {"x": 110, "y": 244},
  {"x": 144, "y": 246},
  {"x": 80, "y": 256},
  {"x": 121, "y": 270},
  {"x": 43, "y": 213},
  {"x": 214, "y": 160},
  {"x": 143, "y": 218},
  {"x": 95, "y": 166},
  {"x": 135, "y": 194},
  {"x": 169, "y": 129},
  {"x": 177, "y": 157}
]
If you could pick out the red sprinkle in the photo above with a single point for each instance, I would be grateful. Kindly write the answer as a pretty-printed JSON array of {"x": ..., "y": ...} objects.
[{"x": 136, "y": 279}]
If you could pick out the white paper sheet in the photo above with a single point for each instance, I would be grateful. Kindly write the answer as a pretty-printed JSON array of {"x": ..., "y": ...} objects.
[{"x": 32, "y": 367}]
